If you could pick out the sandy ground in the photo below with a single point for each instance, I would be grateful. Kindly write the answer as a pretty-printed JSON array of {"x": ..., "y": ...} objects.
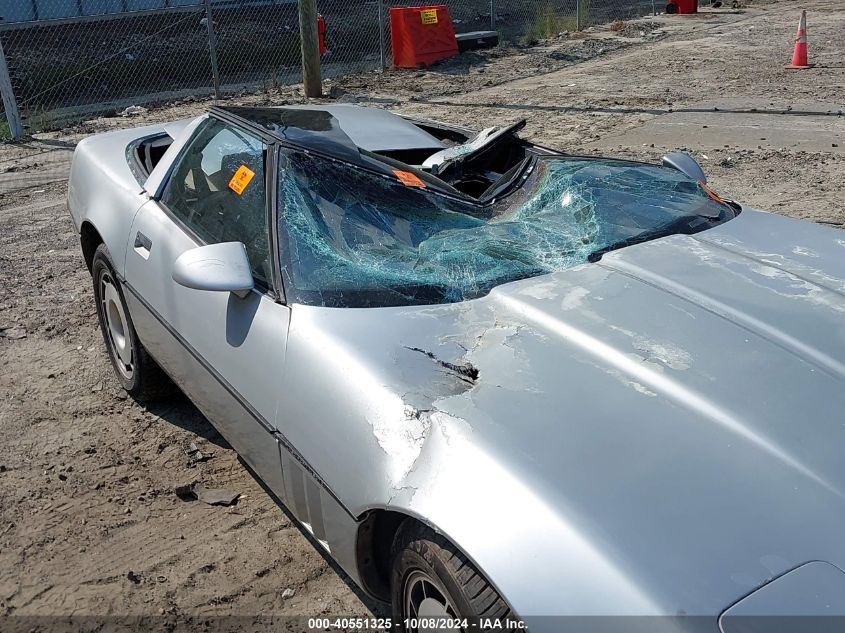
[{"x": 89, "y": 523}]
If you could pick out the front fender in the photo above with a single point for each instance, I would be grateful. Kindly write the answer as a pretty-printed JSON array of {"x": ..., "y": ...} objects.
[
  {"x": 535, "y": 556},
  {"x": 400, "y": 432}
]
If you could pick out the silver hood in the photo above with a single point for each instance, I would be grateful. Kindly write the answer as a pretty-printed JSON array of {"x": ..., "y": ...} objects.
[{"x": 657, "y": 433}]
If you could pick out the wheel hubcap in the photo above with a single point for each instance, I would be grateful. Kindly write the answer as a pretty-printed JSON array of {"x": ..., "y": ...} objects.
[
  {"x": 426, "y": 603},
  {"x": 117, "y": 326}
]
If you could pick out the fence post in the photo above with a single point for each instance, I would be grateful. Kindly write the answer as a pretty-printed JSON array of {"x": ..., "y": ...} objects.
[
  {"x": 492, "y": 15},
  {"x": 212, "y": 48},
  {"x": 310, "y": 48},
  {"x": 381, "y": 34},
  {"x": 577, "y": 15},
  {"x": 8, "y": 95}
]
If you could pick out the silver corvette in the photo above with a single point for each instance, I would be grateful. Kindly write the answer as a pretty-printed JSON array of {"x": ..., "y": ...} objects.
[{"x": 500, "y": 384}]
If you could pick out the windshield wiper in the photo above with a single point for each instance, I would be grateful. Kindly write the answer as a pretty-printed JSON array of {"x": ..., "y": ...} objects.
[
  {"x": 686, "y": 225},
  {"x": 507, "y": 180}
]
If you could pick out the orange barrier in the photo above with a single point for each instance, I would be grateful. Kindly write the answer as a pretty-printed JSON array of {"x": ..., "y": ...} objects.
[
  {"x": 682, "y": 6},
  {"x": 420, "y": 36},
  {"x": 321, "y": 33}
]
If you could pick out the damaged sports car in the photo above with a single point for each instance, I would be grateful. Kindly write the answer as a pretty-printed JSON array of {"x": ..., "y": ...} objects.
[{"x": 491, "y": 379}]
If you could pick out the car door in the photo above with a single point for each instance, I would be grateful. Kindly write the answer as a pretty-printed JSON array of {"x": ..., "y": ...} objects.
[{"x": 225, "y": 352}]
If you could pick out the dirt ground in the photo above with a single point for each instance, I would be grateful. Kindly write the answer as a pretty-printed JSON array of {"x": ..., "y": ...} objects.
[{"x": 89, "y": 522}]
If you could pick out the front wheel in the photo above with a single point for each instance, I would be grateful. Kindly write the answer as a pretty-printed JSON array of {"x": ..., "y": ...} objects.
[
  {"x": 137, "y": 372},
  {"x": 432, "y": 582}
]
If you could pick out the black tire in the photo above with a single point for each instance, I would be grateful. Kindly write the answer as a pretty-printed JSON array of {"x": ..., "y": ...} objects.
[
  {"x": 419, "y": 553},
  {"x": 141, "y": 377}
]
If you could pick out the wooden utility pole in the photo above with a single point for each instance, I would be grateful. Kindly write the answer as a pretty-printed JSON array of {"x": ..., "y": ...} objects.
[
  {"x": 310, "y": 48},
  {"x": 8, "y": 95}
]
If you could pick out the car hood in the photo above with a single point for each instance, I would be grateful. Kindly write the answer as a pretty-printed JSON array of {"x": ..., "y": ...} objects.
[{"x": 678, "y": 407}]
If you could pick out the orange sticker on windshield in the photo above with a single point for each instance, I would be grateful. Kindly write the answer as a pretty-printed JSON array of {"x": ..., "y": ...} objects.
[
  {"x": 409, "y": 179},
  {"x": 241, "y": 179}
]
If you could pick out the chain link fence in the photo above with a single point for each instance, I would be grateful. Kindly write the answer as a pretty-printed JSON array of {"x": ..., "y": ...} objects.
[{"x": 72, "y": 59}]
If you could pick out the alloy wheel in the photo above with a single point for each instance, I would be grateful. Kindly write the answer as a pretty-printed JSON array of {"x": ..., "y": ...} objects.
[{"x": 118, "y": 333}]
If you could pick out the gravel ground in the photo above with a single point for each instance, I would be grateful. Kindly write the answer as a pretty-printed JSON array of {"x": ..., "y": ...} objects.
[{"x": 89, "y": 522}]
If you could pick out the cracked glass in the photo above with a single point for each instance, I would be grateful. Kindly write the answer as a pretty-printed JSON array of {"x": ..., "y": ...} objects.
[{"x": 352, "y": 238}]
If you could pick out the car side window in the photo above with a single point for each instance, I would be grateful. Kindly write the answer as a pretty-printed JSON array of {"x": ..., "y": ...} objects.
[{"x": 217, "y": 189}]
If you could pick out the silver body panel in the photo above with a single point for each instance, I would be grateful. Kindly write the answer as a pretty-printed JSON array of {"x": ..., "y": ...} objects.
[
  {"x": 814, "y": 589},
  {"x": 656, "y": 433},
  {"x": 102, "y": 188},
  {"x": 377, "y": 130},
  {"x": 233, "y": 380},
  {"x": 673, "y": 412}
]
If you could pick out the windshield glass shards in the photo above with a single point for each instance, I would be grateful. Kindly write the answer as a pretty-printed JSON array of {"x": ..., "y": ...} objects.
[{"x": 350, "y": 238}]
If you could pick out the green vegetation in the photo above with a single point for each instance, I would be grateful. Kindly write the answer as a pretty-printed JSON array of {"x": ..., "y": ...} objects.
[
  {"x": 548, "y": 23},
  {"x": 584, "y": 13}
]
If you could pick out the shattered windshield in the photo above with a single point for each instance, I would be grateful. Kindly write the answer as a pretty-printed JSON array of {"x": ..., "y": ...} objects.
[{"x": 350, "y": 238}]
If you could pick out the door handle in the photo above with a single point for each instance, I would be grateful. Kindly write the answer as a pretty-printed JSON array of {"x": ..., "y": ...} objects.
[{"x": 143, "y": 244}]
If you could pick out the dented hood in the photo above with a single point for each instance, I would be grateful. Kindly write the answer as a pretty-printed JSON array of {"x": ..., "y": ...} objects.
[
  {"x": 679, "y": 407},
  {"x": 684, "y": 403}
]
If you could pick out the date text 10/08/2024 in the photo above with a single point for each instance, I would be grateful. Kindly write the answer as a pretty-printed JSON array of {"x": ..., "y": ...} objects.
[{"x": 423, "y": 623}]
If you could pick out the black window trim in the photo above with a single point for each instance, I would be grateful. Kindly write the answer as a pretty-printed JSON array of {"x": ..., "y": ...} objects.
[
  {"x": 272, "y": 187},
  {"x": 274, "y": 290}
]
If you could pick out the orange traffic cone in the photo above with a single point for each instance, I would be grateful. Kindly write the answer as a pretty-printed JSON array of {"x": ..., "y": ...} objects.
[{"x": 799, "y": 55}]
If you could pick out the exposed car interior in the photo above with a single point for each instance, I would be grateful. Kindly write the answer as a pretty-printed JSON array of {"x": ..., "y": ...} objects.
[
  {"x": 478, "y": 167},
  {"x": 149, "y": 151}
]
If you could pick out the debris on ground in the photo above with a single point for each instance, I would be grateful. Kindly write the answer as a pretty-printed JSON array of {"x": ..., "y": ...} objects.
[
  {"x": 636, "y": 29},
  {"x": 195, "y": 455},
  {"x": 211, "y": 496},
  {"x": 13, "y": 333},
  {"x": 288, "y": 593},
  {"x": 185, "y": 493},
  {"x": 216, "y": 497},
  {"x": 134, "y": 110}
]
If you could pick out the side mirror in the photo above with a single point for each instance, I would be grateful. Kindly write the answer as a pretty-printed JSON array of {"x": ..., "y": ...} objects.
[
  {"x": 685, "y": 164},
  {"x": 220, "y": 267}
]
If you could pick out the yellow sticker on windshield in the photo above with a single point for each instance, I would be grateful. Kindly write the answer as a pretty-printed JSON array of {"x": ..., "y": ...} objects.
[
  {"x": 428, "y": 16},
  {"x": 241, "y": 179}
]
